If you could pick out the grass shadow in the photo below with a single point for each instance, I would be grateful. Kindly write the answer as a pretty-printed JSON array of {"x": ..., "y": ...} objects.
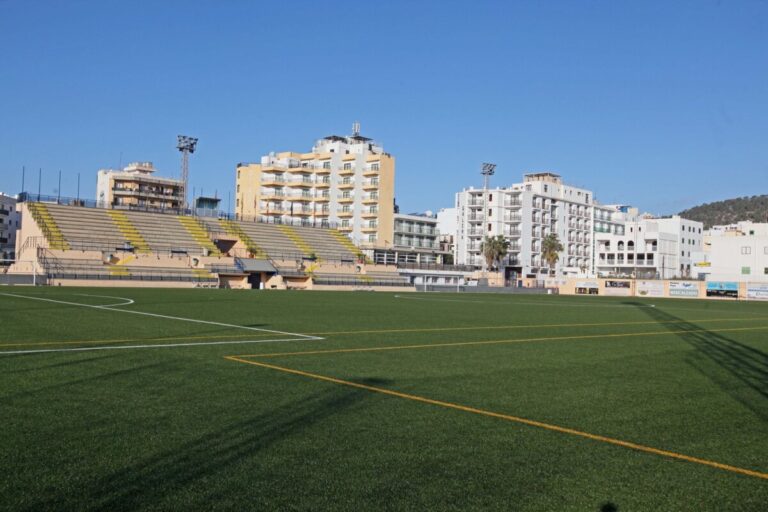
[
  {"x": 730, "y": 364},
  {"x": 188, "y": 469}
]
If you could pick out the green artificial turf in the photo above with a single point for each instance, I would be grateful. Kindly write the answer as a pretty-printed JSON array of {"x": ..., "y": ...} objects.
[{"x": 186, "y": 428}]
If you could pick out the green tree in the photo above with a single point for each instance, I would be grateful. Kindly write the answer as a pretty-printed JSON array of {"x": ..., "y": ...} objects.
[
  {"x": 494, "y": 249},
  {"x": 550, "y": 251}
]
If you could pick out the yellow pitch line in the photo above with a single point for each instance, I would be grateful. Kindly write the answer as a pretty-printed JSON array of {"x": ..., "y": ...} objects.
[
  {"x": 498, "y": 342},
  {"x": 516, "y": 419},
  {"x": 386, "y": 331}
]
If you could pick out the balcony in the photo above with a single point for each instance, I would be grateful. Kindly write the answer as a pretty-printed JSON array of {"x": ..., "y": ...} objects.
[
  {"x": 370, "y": 172},
  {"x": 514, "y": 203},
  {"x": 346, "y": 185},
  {"x": 305, "y": 183},
  {"x": 370, "y": 213},
  {"x": 369, "y": 229},
  {"x": 347, "y": 199},
  {"x": 371, "y": 200},
  {"x": 323, "y": 183},
  {"x": 323, "y": 197},
  {"x": 271, "y": 181},
  {"x": 512, "y": 218},
  {"x": 512, "y": 232},
  {"x": 371, "y": 185},
  {"x": 347, "y": 172}
]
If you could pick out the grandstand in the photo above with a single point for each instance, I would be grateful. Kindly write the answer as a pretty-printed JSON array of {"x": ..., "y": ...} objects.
[{"x": 77, "y": 245}]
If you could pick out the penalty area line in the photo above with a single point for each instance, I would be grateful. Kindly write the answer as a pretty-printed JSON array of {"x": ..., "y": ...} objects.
[
  {"x": 155, "y": 345},
  {"x": 167, "y": 317}
]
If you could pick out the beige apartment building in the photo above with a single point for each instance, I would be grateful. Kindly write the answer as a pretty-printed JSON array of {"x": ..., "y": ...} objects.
[
  {"x": 135, "y": 186},
  {"x": 346, "y": 182}
]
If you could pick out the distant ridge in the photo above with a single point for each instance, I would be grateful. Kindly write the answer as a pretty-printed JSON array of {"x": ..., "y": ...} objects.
[{"x": 729, "y": 211}]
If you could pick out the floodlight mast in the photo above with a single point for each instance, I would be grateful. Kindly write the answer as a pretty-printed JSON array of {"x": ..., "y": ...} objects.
[
  {"x": 186, "y": 145},
  {"x": 487, "y": 170}
]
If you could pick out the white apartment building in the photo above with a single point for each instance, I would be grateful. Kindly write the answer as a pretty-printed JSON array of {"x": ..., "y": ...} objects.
[
  {"x": 648, "y": 246},
  {"x": 524, "y": 214},
  {"x": 447, "y": 225},
  {"x": 735, "y": 252},
  {"x": 10, "y": 221},
  {"x": 739, "y": 258}
]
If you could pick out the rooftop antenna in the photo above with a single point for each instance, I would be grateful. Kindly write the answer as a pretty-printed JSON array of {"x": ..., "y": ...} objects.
[
  {"x": 356, "y": 129},
  {"x": 186, "y": 145}
]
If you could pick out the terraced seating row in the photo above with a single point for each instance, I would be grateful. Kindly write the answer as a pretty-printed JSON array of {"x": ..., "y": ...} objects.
[
  {"x": 326, "y": 244},
  {"x": 99, "y": 229},
  {"x": 338, "y": 279},
  {"x": 265, "y": 238},
  {"x": 163, "y": 232},
  {"x": 72, "y": 268},
  {"x": 84, "y": 226},
  {"x": 283, "y": 241}
]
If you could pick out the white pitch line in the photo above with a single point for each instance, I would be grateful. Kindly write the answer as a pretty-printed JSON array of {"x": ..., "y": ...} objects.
[
  {"x": 167, "y": 317},
  {"x": 123, "y": 347},
  {"x": 126, "y": 301}
]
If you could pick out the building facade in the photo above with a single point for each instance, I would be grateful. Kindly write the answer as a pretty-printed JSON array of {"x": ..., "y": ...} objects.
[
  {"x": 9, "y": 223},
  {"x": 525, "y": 213},
  {"x": 649, "y": 247},
  {"x": 415, "y": 241},
  {"x": 345, "y": 182},
  {"x": 135, "y": 186}
]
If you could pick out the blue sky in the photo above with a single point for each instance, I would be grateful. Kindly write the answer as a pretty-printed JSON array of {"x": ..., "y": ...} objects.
[{"x": 659, "y": 104}]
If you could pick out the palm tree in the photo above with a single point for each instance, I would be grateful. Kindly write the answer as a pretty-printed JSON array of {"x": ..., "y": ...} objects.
[
  {"x": 494, "y": 249},
  {"x": 550, "y": 250}
]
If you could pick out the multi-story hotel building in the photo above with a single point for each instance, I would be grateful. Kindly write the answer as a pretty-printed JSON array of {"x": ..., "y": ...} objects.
[
  {"x": 135, "y": 186},
  {"x": 525, "y": 213},
  {"x": 345, "y": 182}
]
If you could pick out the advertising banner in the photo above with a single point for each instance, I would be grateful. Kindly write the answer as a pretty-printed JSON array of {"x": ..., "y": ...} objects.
[
  {"x": 650, "y": 288},
  {"x": 757, "y": 291},
  {"x": 618, "y": 288},
  {"x": 683, "y": 289},
  {"x": 723, "y": 289},
  {"x": 587, "y": 287}
]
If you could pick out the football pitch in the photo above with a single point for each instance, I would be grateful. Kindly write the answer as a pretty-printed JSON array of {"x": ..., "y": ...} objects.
[{"x": 149, "y": 399}]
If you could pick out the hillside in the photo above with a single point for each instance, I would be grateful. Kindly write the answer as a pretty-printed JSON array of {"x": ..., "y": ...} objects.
[{"x": 754, "y": 208}]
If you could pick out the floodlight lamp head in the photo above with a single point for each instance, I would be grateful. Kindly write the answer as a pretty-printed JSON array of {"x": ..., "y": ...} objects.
[
  {"x": 186, "y": 143},
  {"x": 488, "y": 169}
]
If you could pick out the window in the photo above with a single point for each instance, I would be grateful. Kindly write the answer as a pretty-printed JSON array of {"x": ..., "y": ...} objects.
[
  {"x": 745, "y": 271},
  {"x": 238, "y": 187},
  {"x": 765, "y": 270},
  {"x": 375, "y": 167},
  {"x": 489, "y": 212},
  {"x": 765, "y": 249},
  {"x": 347, "y": 166},
  {"x": 751, "y": 231},
  {"x": 746, "y": 250},
  {"x": 490, "y": 198},
  {"x": 345, "y": 223},
  {"x": 327, "y": 164},
  {"x": 489, "y": 226}
]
